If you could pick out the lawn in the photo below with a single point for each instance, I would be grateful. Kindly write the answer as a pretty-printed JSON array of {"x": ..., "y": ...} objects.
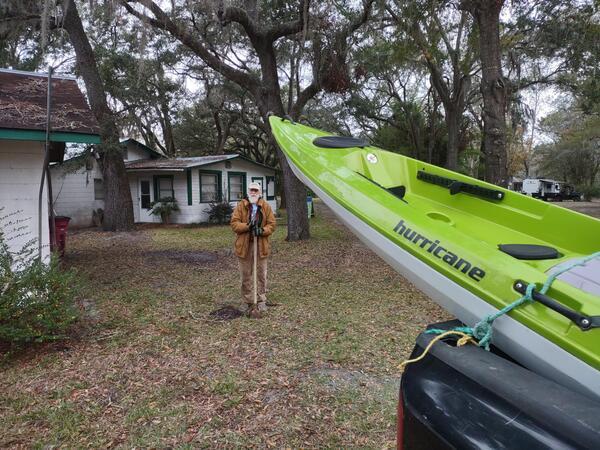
[{"x": 148, "y": 366}]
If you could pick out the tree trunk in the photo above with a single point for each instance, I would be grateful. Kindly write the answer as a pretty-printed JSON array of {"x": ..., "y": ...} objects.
[
  {"x": 487, "y": 16},
  {"x": 432, "y": 132},
  {"x": 167, "y": 128},
  {"x": 295, "y": 191},
  {"x": 452, "y": 119},
  {"x": 118, "y": 208}
]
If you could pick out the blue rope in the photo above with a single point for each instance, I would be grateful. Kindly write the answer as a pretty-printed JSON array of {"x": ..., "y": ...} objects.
[{"x": 483, "y": 330}]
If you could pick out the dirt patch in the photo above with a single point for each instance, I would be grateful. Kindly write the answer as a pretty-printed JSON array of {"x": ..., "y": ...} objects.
[
  {"x": 226, "y": 313},
  {"x": 187, "y": 257}
]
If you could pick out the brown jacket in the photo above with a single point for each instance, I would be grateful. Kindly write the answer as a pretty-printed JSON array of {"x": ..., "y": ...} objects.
[{"x": 239, "y": 224}]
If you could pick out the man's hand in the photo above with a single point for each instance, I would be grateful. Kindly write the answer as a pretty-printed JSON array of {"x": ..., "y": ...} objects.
[{"x": 258, "y": 231}]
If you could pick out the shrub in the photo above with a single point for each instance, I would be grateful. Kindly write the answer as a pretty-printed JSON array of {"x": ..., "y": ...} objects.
[
  {"x": 219, "y": 212},
  {"x": 36, "y": 299},
  {"x": 164, "y": 207}
]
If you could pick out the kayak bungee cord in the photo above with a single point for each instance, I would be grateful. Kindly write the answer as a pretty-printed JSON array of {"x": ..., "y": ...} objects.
[{"x": 483, "y": 330}]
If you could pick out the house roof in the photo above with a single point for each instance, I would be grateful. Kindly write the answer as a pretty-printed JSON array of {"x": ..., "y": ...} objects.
[
  {"x": 142, "y": 146},
  {"x": 23, "y": 108},
  {"x": 181, "y": 164}
]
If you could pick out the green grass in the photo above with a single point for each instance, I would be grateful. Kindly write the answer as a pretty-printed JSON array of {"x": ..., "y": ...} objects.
[{"x": 148, "y": 367}]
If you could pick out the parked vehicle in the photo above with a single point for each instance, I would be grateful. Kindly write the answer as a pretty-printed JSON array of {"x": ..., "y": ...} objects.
[
  {"x": 547, "y": 189},
  {"x": 570, "y": 193},
  {"x": 541, "y": 188},
  {"x": 467, "y": 398}
]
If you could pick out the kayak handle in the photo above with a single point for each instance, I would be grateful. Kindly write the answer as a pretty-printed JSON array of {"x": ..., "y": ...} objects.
[
  {"x": 456, "y": 186},
  {"x": 582, "y": 321}
]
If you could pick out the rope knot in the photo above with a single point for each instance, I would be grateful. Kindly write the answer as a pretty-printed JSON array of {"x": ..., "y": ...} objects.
[
  {"x": 482, "y": 331},
  {"x": 529, "y": 291}
]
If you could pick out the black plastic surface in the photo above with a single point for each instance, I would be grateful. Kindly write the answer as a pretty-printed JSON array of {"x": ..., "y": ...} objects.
[
  {"x": 468, "y": 398},
  {"x": 456, "y": 187},
  {"x": 529, "y": 251},
  {"x": 339, "y": 142}
]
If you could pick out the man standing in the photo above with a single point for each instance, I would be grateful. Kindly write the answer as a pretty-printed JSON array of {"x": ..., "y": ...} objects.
[{"x": 253, "y": 219}]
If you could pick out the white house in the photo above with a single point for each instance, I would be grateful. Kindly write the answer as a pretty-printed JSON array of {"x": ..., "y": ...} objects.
[
  {"x": 194, "y": 182},
  {"x": 22, "y": 136},
  {"x": 77, "y": 184}
]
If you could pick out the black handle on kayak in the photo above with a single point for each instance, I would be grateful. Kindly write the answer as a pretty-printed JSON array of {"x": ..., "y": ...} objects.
[
  {"x": 456, "y": 186},
  {"x": 582, "y": 321}
]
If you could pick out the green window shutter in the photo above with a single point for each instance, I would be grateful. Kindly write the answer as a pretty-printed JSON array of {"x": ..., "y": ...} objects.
[
  {"x": 155, "y": 182},
  {"x": 189, "y": 186},
  {"x": 220, "y": 188}
]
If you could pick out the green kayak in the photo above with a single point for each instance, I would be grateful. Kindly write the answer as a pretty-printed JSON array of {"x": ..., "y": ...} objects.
[{"x": 471, "y": 246}]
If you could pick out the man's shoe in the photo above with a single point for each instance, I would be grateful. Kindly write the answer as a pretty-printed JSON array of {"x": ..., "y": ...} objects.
[{"x": 262, "y": 307}]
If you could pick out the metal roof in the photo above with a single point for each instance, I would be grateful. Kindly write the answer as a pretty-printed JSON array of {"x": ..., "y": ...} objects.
[
  {"x": 181, "y": 164},
  {"x": 176, "y": 164}
]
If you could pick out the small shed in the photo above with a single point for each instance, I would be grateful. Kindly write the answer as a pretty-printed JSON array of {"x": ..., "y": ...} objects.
[{"x": 23, "y": 97}]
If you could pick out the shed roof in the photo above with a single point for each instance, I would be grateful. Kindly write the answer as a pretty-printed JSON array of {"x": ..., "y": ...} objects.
[
  {"x": 23, "y": 108},
  {"x": 181, "y": 164}
]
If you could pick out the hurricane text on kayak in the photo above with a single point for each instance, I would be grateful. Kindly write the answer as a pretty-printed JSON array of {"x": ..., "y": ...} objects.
[{"x": 437, "y": 250}]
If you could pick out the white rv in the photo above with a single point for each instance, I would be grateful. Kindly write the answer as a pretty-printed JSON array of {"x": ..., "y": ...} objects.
[
  {"x": 541, "y": 188},
  {"x": 548, "y": 189}
]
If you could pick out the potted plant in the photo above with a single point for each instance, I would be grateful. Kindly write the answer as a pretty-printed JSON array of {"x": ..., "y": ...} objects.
[{"x": 164, "y": 207}]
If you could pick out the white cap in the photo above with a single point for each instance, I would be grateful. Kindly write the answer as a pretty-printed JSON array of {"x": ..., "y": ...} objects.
[{"x": 255, "y": 185}]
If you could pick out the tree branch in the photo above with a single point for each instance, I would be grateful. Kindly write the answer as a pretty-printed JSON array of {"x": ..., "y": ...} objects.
[
  {"x": 239, "y": 15},
  {"x": 163, "y": 22},
  {"x": 292, "y": 27}
]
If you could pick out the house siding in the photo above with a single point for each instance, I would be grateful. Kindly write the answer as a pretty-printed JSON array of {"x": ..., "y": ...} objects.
[
  {"x": 135, "y": 153},
  {"x": 21, "y": 165},
  {"x": 73, "y": 193},
  {"x": 195, "y": 213}
]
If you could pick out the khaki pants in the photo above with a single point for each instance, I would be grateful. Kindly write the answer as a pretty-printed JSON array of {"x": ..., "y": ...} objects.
[{"x": 261, "y": 277}]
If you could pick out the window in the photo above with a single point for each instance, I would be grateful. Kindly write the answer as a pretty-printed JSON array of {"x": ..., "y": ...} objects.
[
  {"x": 259, "y": 180},
  {"x": 163, "y": 186},
  {"x": 98, "y": 189},
  {"x": 270, "y": 191},
  {"x": 145, "y": 194},
  {"x": 237, "y": 185},
  {"x": 210, "y": 186}
]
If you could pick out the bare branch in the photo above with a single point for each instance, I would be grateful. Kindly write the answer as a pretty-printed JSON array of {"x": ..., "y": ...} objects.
[
  {"x": 292, "y": 27},
  {"x": 239, "y": 15},
  {"x": 162, "y": 21}
]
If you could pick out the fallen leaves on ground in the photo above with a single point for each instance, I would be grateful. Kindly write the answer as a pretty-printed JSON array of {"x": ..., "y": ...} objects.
[{"x": 149, "y": 367}]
